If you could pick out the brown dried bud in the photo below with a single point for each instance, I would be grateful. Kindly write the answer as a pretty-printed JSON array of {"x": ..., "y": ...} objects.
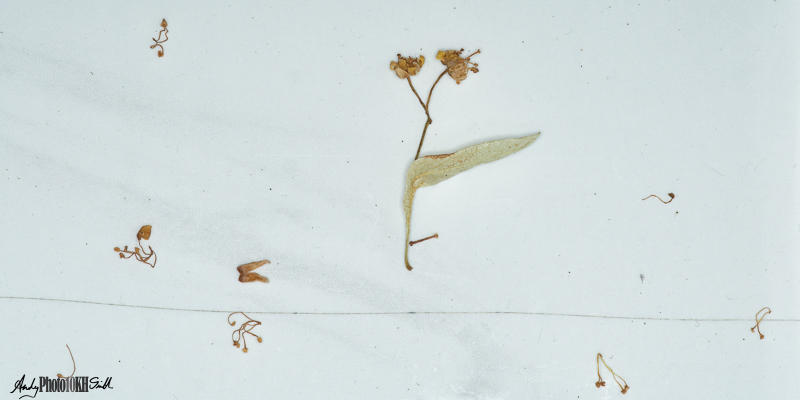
[{"x": 163, "y": 23}]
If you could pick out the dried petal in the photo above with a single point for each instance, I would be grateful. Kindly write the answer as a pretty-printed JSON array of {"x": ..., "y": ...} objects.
[
  {"x": 144, "y": 233},
  {"x": 252, "y": 277},
  {"x": 245, "y": 268},
  {"x": 405, "y": 67}
]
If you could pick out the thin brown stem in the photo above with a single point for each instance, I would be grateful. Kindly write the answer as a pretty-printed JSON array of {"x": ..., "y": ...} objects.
[
  {"x": 418, "y": 98},
  {"x": 427, "y": 112},
  {"x": 431, "y": 92},
  {"x": 758, "y": 321},
  {"x": 613, "y": 375},
  {"x": 671, "y": 197},
  {"x": 435, "y": 235},
  {"x": 428, "y": 122},
  {"x": 73, "y": 365}
]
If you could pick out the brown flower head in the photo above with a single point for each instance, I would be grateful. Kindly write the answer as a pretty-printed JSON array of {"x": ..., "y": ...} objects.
[
  {"x": 405, "y": 67},
  {"x": 457, "y": 67}
]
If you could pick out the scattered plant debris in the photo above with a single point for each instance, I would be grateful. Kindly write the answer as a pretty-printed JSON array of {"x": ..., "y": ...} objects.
[
  {"x": 73, "y": 365},
  {"x": 434, "y": 236},
  {"x": 600, "y": 381},
  {"x": 246, "y": 276},
  {"x": 430, "y": 170},
  {"x": 139, "y": 253},
  {"x": 246, "y": 327},
  {"x": 158, "y": 41},
  {"x": 758, "y": 321},
  {"x": 671, "y": 197}
]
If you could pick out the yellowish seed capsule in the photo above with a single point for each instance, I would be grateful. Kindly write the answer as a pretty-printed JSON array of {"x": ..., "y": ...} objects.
[
  {"x": 244, "y": 350},
  {"x": 440, "y": 55},
  {"x": 259, "y": 339},
  {"x": 393, "y": 65},
  {"x": 403, "y": 64},
  {"x": 421, "y": 60}
]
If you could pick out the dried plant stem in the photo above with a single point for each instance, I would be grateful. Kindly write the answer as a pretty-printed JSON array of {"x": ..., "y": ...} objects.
[
  {"x": 418, "y": 98},
  {"x": 427, "y": 112},
  {"x": 435, "y": 235},
  {"x": 671, "y": 197},
  {"x": 613, "y": 374},
  {"x": 758, "y": 321},
  {"x": 73, "y": 365}
]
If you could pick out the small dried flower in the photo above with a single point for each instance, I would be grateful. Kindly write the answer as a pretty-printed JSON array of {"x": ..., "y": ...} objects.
[
  {"x": 457, "y": 67},
  {"x": 163, "y": 22},
  {"x": 405, "y": 67}
]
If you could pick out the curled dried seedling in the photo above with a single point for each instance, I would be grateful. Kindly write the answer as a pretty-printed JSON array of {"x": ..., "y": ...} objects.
[
  {"x": 139, "y": 253},
  {"x": 413, "y": 242},
  {"x": 246, "y": 327},
  {"x": 600, "y": 381},
  {"x": 758, "y": 321},
  {"x": 671, "y": 197},
  {"x": 158, "y": 41},
  {"x": 73, "y": 366},
  {"x": 246, "y": 276}
]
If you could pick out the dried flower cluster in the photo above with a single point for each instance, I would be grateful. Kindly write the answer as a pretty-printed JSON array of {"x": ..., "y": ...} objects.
[
  {"x": 246, "y": 276},
  {"x": 600, "y": 381},
  {"x": 405, "y": 67},
  {"x": 246, "y": 327},
  {"x": 158, "y": 41},
  {"x": 457, "y": 67},
  {"x": 758, "y": 321},
  {"x": 140, "y": 254}
]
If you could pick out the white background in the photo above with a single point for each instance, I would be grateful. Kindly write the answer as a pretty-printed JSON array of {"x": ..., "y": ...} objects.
[{"x": 277, "y": 131}]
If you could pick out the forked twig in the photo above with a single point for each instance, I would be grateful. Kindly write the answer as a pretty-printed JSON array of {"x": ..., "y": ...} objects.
[{"x": 600, "y": 381}]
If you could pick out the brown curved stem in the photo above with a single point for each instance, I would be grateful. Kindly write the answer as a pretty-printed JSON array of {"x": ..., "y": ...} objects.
[
  {"x": 73, "y": 365},
  {"x": 426, "y": 105},
  {"x": 418, "y": 98}
]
